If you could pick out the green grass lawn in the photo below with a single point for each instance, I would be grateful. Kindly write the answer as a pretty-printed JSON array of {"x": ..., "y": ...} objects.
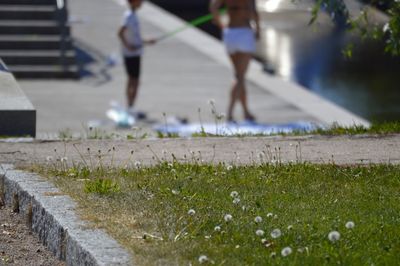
[{"x": 176, "y": 214}]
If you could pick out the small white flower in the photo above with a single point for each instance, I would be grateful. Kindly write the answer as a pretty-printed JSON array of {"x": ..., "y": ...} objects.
[
  {"x": 258, "y": 219},
  {"x": 350, "y": 225},
  {"x": 191, "y": 212},
  {"x": 203, "y": 259},
  {"x": 236, "y": 201},
  {"x": 234, "y": 194},
  {"x": 264, "y": 240},
  {"x": 217, "y": 228},
  {"x": 270, "y": 214},
  {"x": 228, "y": 217},
  {"x": 229, "y": 167},
  {"x": 286, "y": 251},
  {"x": 207, "y": 237},
  {"x": 290, "y": 227},
  {"x": 272, "y": 255},
  {"x": 260, "y": 232},
  {"x": 237, "y": 246},
  {"x": 175, "y": 192},
  {"x": 276, "y": 233},
  {"x": 334, "y": 236}
]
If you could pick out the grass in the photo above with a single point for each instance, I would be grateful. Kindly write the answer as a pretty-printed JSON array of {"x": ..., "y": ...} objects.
[{"x": 175, "y": 213}]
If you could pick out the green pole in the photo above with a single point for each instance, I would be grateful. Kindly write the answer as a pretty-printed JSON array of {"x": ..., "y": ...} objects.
[{"x": 193, "y": 23}]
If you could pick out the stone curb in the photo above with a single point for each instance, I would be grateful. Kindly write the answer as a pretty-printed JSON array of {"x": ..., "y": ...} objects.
[{"x": 51, "y": 216}]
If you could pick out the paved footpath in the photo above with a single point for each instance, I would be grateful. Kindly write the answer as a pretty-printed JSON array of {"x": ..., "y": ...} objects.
[{"x": 315, "y": 149}]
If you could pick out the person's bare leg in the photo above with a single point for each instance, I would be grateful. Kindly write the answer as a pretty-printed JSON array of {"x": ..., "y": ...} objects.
[
  {"x": 131, "y": 90},
  {"x": 241, "y": 64},
  {"x": 234, "y": 89}
]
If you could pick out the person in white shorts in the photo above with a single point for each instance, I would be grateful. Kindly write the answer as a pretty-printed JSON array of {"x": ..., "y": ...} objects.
[{"x": 240, "y": 41}]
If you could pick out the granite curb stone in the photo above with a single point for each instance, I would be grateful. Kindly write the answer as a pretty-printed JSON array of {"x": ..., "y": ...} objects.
[{"x": 51, "y": 216}]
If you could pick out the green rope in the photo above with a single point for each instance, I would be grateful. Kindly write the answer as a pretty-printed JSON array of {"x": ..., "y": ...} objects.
[{"x": 193, "y": 23}]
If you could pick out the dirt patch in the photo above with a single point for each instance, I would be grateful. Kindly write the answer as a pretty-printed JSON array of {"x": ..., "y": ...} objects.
[{"x": 18, "y": 246}]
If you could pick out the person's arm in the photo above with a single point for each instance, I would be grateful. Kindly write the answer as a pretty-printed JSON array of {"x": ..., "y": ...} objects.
[
  {"x": 214, "y": 9},
  {"x": 256, "y": 19},
  {"x": 121, "y": 35}
]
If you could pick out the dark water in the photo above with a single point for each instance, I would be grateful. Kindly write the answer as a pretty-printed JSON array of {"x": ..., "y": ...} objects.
[{"x": 367, "y": 84}]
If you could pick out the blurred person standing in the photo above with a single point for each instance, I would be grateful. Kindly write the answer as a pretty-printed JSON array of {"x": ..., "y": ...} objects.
[
  {"x": 240, "y": 40},
  {"x": 132, "y": 50}
]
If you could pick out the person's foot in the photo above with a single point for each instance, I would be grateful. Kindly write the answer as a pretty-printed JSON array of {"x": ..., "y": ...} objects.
[
  {"x": 250, "y": 117},
  {"x": 230, "y": 119},
  {"x": 136, "y": 114}
]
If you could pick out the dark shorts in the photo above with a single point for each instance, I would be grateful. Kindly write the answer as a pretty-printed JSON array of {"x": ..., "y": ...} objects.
[{"x": 132, "y": 66}]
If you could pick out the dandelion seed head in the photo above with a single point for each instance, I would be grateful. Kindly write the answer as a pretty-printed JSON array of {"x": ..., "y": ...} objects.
[
  {"x": 258, "y": 219},
  {"x": 290, "y": 227},
  {"x": 228, "y": 217},
  {"x": 270, "y": 214},
  {"x": 217, "y": 228},
  {"x": 286, "y": 251},
  {"x": 137, "y": 164},
  {"x": 203, "y": 259},
  {"x": 276, "y": 233},
  {"x": 234, "y": 194},
  {"x": 236, "y": 201},
  {"x": 350, "y": 225},
  {"x": 191, "y": 212},
  {"x": 259, "y": 232},
  {"x": 334, "y": 236}
]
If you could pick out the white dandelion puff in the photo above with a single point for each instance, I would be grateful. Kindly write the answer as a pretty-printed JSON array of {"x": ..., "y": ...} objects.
[
  {"x": 191, "y": 212},
  {"x": 234, "y": 194},
  {"x": 276, "y": 233},
  {"x": 334, "y": 236},
  {"x": 270, "y": 214},
  {"x": 236, "y": 201},
  {"x": 350, "y": 225},
  {"x": 386, "y": 27},
  {"x": 137, "y": 164},
  {"x": 258, "y": 219},
  {"x": 259, "y": 232},
  {"x": 286, "y": 251},
  {"x": 290, "y": 227},
  {"x": 217, "y": 228},
  {"x": 203, "y": 259},
  {"x": 228, "y": 217}
]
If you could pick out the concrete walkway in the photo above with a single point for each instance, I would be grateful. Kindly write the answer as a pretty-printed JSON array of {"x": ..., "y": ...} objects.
[{"x": 180, "y": 76}]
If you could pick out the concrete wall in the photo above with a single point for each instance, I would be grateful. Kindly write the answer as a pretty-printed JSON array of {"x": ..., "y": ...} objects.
[{"x": 17, "y": 114}]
